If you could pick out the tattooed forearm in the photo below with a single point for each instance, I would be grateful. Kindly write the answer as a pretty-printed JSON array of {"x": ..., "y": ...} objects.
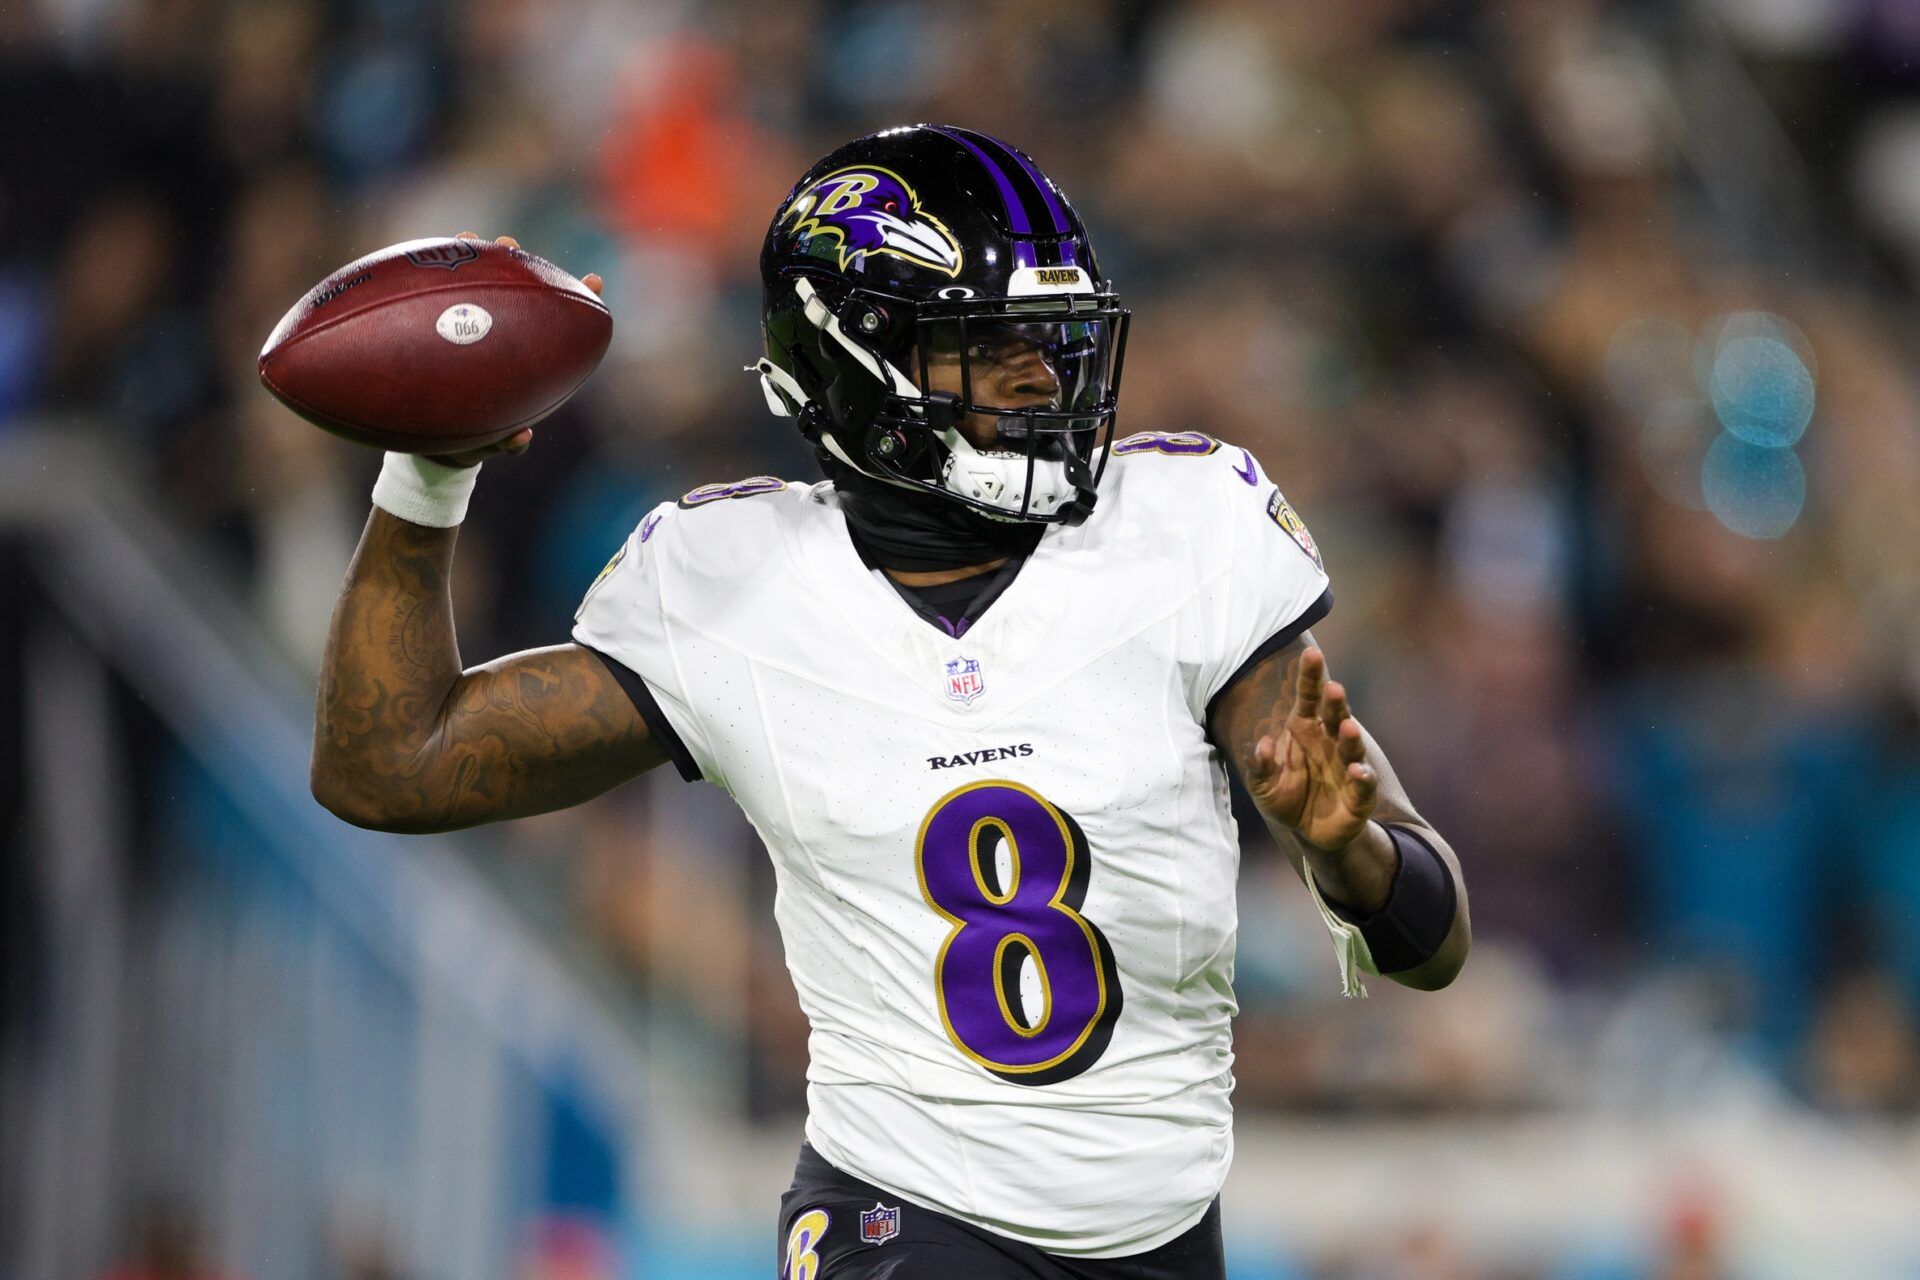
[
  {"x": 1256, "y": 706},
  {"x": 404, "y": 740},
  {"x": 421, "y": 631}
]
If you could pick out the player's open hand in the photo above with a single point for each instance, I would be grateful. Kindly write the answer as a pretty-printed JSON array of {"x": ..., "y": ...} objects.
[
  {"x": 518, "y": 442},
  {"x": 1314, "y": 778}
]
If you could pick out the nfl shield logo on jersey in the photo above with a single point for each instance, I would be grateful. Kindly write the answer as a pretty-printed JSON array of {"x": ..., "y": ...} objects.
[
  {"x": 879, "y": 1224},
  {"x": 964, "y": 682}
]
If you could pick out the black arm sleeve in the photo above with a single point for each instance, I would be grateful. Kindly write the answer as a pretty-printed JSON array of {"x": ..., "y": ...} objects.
[{"x": 1418, "y": 913}]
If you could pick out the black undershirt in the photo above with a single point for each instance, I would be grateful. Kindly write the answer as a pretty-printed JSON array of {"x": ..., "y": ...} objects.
[{"x": 953, "y": 606}]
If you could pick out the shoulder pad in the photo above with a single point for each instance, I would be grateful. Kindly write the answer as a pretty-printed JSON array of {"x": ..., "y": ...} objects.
[
  {"x": 1199, "y": 484},
  {"x": 721, "y": 530},
  {"x": 1201, "y": 462}
]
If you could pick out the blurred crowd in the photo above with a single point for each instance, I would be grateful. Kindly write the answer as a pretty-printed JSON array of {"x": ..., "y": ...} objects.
[{"x": 1616, "y": 467}]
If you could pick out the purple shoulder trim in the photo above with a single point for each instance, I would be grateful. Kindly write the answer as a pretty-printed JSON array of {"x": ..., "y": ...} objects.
[
  {"x": 738, "y": 489},
  {"x": 1178, "y": 444}
]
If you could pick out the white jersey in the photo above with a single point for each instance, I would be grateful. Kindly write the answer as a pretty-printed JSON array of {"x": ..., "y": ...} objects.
[{"x": 1005, "y": 862}]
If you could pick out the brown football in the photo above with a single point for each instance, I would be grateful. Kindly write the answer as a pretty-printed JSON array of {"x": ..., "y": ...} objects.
[{"x": 434, "y": 346}]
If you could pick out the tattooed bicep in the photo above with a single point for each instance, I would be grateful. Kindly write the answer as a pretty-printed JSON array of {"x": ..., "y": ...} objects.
[{"x": 536, "y": 731}]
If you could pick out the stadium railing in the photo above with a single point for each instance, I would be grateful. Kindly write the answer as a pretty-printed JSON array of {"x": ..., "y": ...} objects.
[{"x": 242, "y": 1019}]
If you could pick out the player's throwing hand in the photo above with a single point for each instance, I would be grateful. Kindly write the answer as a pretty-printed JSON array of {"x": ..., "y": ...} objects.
[
  {"x": 1314, "y": 778},
  {"x": 518, "y": 442}
]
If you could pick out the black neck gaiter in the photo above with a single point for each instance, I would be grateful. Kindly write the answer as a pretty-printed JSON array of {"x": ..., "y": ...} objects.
[{"x": 900, "y": 529}]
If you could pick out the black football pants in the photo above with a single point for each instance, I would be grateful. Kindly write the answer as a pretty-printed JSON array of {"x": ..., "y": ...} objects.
[{"x": 833, "y": 1226}]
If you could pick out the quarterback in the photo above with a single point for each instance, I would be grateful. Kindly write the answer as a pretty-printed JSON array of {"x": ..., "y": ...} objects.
[{"x": 980, "y": 692}]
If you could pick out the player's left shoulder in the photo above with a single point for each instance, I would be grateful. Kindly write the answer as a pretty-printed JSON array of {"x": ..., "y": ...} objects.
[{"x": 1184, "y": 464}]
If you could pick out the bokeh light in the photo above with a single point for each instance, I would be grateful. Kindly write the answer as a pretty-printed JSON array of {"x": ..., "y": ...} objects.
[
  {"x": 1756, "y": 492},
  {"x": 1761, "y": 380}
]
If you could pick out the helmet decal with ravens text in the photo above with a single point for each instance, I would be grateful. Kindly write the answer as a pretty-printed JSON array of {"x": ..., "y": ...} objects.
[{"x": 865, "y": 209}]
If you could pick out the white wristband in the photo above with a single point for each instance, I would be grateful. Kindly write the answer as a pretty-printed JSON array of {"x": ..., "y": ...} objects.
[{"x": 423, "y": 491}]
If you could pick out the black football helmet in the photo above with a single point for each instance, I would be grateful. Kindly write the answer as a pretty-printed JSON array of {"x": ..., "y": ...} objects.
[{"x": 929, "y": 243}]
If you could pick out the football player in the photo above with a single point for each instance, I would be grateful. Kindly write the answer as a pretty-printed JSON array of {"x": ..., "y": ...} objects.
[{"x": 979, "y": 692}]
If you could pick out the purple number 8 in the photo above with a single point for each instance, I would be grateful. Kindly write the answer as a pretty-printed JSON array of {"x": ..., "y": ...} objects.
[{"x": 998, "y": 927}]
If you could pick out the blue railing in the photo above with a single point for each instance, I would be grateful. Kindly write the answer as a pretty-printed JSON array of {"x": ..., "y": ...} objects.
[{"x": 308, "y": 1043}]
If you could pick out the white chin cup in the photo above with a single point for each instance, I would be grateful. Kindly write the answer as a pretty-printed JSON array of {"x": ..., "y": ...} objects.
[{"x": 999, "y": 479}]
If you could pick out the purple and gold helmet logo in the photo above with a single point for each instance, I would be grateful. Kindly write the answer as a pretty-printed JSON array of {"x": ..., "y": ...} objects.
[{"x": 865, "y": 209}]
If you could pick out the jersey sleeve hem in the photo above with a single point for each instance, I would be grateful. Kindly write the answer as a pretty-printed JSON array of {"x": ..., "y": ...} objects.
[
  {"x": 1273, "y": 644},
  {"x": 649, "y": 708}
]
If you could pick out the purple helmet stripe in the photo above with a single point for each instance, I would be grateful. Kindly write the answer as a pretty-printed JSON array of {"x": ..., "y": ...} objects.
[
  {"x": 1055, "y": 209},
  {"x": 1016, "y": 210}
]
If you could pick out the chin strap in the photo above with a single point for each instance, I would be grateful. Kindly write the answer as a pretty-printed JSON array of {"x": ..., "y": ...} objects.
[
  {"x": 822, "y": 316},
  {"x": 785, "y": 398}
]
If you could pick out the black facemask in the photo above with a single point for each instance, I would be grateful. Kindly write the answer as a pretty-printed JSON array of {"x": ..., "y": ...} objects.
[{"x": 901, "y": 529}]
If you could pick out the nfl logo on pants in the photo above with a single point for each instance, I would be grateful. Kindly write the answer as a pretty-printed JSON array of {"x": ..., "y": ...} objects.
[{"x": 879, "y": 1224}]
